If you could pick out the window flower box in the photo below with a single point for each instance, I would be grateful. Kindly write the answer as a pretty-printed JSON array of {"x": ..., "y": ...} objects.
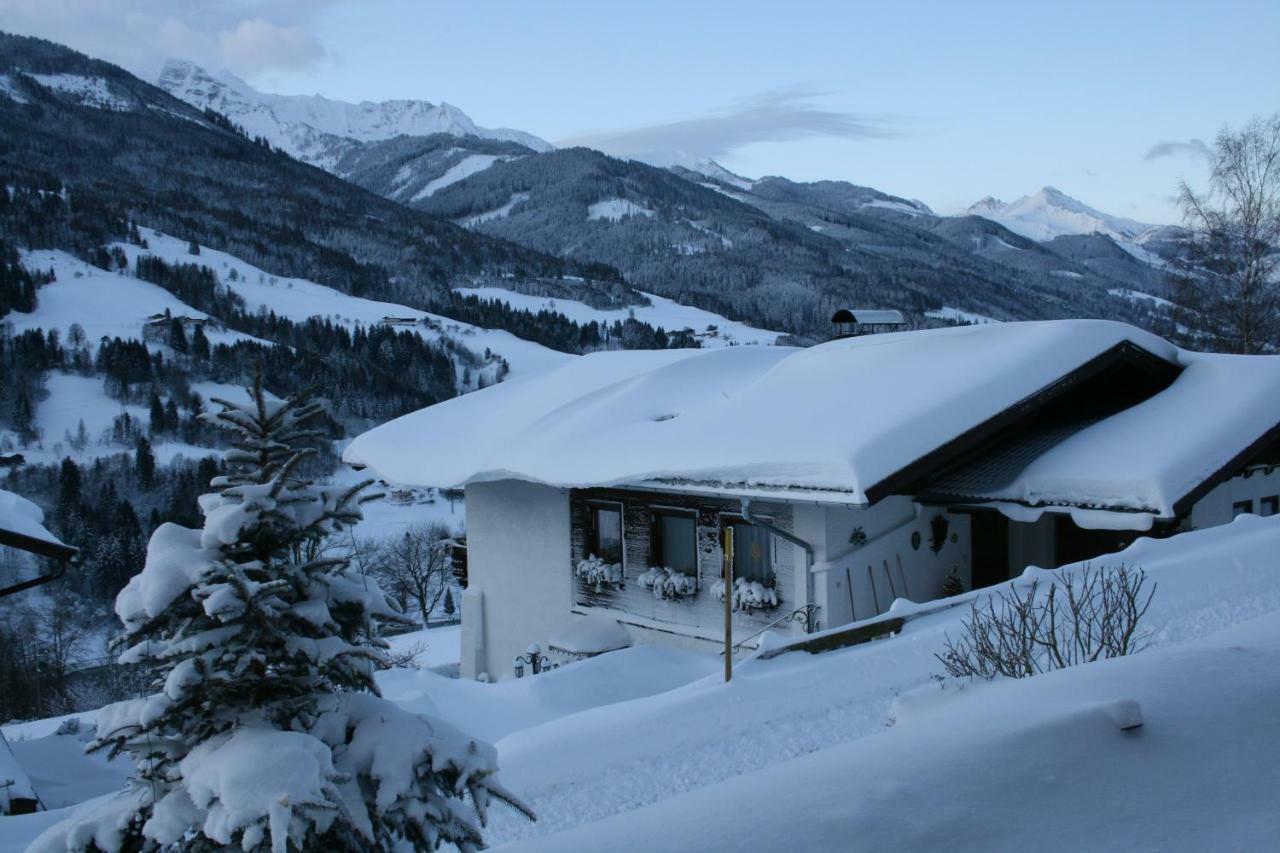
[
  {"x": 668, "y": 583},
  {"x": 748, "y": 595},
  {"x": 596, "y": 572}
]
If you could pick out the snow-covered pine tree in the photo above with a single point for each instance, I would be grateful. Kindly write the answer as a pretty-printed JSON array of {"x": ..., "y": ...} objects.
[{"x": 266, "y": 730}]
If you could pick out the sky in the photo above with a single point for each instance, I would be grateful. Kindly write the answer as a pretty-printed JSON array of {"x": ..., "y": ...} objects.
[{"x": 1112, "y": 103}]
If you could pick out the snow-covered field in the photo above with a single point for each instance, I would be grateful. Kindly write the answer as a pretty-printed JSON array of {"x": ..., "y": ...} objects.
[
  {"x": 1139, "y": 296},
  {"x": 616, "y": 209},
  {"x": 463, "y": 169},
  {"x": 957, "y": 315},
  {"x": 861, "y": 749},
  {"x": 105, "y": 304},
  {"x": 299, "y": 299},
  {"x": 664, "y": 313}
]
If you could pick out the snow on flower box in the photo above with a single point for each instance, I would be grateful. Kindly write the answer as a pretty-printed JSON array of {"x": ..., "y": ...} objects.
[
  {"x": 587, "y": 636},
  {"x": 596, "y": 572},
  {"x": 748, "y": 595},
  {"x": 668, "y": 583}
]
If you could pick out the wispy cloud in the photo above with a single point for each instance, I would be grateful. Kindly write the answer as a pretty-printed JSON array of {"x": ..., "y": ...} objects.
[
  {"x": 775, "y": 116},
  {"x": 1192, "y": 148},
  {"x": 248, "y": 37}
]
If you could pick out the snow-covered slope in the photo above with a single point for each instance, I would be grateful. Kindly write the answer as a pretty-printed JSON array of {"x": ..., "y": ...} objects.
[
  {"x": 713, "y": 329},
  {"x": 704, "y": 166},
  {"x": 828, "y": 751},
  {"x": 312, "y": 127},
  {"x": 298, "y": 299},
  {"x": 1050, "y": 213},
  {"x": 105, "y": 304},
  {"x": 620, "y": 758},
  {"x": 1036, "y": 764},
  {"x": 117, "y": 305}
]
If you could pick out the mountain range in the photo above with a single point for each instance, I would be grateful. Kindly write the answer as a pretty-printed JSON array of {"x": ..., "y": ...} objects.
[
  {"x": 316, "y": 129},
  {"x": 780, "y": 253},
  {"x": 418, "y": 200},
  {"x": 1050, "y": 213}
]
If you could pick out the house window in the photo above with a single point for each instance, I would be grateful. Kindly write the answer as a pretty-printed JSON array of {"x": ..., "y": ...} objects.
[
  {"x": 752, "y": 552},
  {"x": 606, "y": 533},
  {"x": 1269, "y": 505},
  {"x": 1241, "y": 507},
  {"x": 675, "y": 542}
]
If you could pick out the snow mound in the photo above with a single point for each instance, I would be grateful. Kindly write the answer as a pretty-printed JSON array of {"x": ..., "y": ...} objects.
[
  {"x": 590, "y": 635},
  {"x": 1058, "y": 762}
]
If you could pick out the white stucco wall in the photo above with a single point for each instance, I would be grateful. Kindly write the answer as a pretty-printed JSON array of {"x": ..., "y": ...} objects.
[
  {"x": 888, "y": 527},
  {"x": 1216, "y": 507},
  {"x": 517, "y": 572}
]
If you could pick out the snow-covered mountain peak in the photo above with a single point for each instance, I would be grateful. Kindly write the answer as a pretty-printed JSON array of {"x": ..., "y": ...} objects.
[
  {"x": 1049, "y": 213},
  {"x": 988, "y": 203},
  {"x": 313, "y": 127},
  {"x": 704, "y": 166}
]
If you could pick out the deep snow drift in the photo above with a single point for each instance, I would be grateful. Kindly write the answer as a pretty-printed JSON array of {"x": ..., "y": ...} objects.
[
  {"x": 1034, "y": 764},
  {"x": 648, "y": 727}
]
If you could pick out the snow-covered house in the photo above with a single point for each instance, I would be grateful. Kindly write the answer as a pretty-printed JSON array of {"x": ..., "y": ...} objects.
[{"x": 845, "y": 475}]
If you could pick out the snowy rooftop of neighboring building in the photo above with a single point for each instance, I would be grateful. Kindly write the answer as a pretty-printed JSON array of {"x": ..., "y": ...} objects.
[
  {"x": 21, "y": 516},
  {"x": 14, "y": 782},
  {"x": 842, "y": 421}
]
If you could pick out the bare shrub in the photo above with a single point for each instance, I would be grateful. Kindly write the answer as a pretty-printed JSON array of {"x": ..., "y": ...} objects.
[
  {"x": 405, "y": 658},
  {"x": 1075, "y": 618}
]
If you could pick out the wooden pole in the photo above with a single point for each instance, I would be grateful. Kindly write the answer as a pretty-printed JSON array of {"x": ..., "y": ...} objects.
[
  {"x": 902, "y": 575},
  {"x": 848, "y": 579},
  {"x": 728, "y": 603}
]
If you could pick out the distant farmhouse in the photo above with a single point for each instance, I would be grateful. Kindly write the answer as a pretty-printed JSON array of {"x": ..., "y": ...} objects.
[{"x": 830, "y": 480}]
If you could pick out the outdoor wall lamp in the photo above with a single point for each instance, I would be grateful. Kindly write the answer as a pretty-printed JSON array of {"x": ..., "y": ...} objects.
[{"x": 535, "y": 659}]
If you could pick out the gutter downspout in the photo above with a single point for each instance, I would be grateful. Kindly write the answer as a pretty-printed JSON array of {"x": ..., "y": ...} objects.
[{"x": 809, "y": 625}]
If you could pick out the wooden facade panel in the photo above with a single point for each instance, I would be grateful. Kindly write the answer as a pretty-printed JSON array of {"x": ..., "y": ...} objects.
[{"x": 701, "y": 610}]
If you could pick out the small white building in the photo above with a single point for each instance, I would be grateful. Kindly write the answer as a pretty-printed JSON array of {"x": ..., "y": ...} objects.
[{"x": 845, "y": 475}]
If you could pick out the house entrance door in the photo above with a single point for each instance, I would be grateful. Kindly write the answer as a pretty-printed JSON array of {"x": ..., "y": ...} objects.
[{"x": 989, "y": 548}]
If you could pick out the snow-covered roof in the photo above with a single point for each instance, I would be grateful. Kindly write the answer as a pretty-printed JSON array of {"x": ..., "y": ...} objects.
[
  {"x": 14, "y": 782},
  {"x": 21, "y": 516},
  {"x": 1152, "y": 455},
  {"x": 831, "y": 422}
]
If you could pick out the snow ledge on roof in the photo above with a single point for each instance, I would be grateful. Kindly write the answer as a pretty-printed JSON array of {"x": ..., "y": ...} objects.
[{"x": 829, "y": 422}]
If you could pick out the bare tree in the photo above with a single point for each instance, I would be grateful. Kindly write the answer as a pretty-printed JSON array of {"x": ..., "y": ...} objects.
[
  {"x": 1084, "y": 615},
  {"x": 417, "y": 567},
  {"x": 1230, "y": 287}
]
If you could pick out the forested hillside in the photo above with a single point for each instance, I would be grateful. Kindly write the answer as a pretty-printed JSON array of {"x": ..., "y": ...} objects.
[
  {"x": 771, "y": 252},
  {"x": 775, "y": 253},
  {"x": 151, "y": 158}
]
